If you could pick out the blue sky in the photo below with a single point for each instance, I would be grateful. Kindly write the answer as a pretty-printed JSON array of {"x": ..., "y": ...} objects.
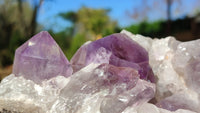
[{"x": 119, "y": 10}]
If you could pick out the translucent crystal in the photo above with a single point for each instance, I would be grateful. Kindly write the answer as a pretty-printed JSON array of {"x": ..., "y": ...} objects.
[
  {"x": 101, "y": 85},
  {"x": 40, "y": 58},
  {"x": 19, "y": 95},
  {"x": 186, "y": 62},
  {"x": 175, "y": 64},
  {"x": 150, "y": 108},
  {"x": 107, "y": 88},
  {"x": 95, "y": 88},
  {"x": 116, "y": 49}
]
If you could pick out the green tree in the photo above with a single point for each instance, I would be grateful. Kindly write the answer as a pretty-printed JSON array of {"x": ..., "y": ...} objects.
[
  {"x": 18, "y": 21},
  {"x": 146, "y": 28},
  {"x": 11, "y": 29},
  {"x": 88, "y": 24}
]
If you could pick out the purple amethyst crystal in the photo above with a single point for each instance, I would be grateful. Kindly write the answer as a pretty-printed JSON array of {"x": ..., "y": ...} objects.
[
  {"x": 116, "y": 49},
  {"x": 41, "y": 58},
  {"x": 113, "y": 75},
  {"x": 116, "y": 88},
  {"x": 177, "y": 101}
]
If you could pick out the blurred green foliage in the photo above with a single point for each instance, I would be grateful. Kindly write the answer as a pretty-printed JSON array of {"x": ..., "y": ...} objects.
[
  {"x": 75, "y": 44},
  {"x": 12, "y": 34},
  {"x": 90, "y": 21},
  {"x": 147, "y": 28},
  {"x": 87, "y": 25}
]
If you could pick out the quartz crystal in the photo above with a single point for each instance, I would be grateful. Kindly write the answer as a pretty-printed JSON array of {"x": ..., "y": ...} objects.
[
  {"x": 105, "y": 87},
  {"x": 180, "y": 100},
  {"x": 19, "y": 95},
  {"x": 111, "y": 75},
  {"x": 175, "y": 64},
  {"x": 150, "y": 108},
  {"x": 40, "y": 58},
  {"x": 94, "y": 89},
  {"x": 186, "y": 62},
  {"x": 116, "y": 49}
]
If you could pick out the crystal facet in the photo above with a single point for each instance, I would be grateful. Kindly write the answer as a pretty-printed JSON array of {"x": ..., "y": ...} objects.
[
  {"x": 110, "y": 88},
  {"x": 40, "y": 58},
  {"x": 116, "y": 49}
]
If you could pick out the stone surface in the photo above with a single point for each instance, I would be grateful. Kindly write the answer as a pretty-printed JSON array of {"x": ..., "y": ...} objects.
[
  {"x": 20, "y": 95},
  {"x": 175, "y": 64},
  {"x": 115, "y": 49},
  {"x": 40, "y": 58},
  {"x": 94, "y": 89},
  {"x": 186, "y": 62},
  {"x": 105, "y": 87},
  {"x": 150, "y": 108},
  {"x": 180, "y": 100}
]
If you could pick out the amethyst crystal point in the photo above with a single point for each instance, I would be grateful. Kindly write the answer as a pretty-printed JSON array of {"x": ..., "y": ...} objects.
[
  {"x": 40, "y": 58},
  {"x": 116, "y": 49}
]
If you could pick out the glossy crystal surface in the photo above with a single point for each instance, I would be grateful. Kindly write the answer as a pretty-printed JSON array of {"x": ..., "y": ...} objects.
[
  {"x": 116, "y": 49},
  {"x": 40, "y": 58}
]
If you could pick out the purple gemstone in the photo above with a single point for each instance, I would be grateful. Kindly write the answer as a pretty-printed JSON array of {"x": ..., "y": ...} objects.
[
  {"x": 116, "y": 49},
  {"x": 113, "y": 75},
  {"x": 41, "y": 58},
  {"x": 119, "y": 88},
  {"x": 173, "y": 105}
]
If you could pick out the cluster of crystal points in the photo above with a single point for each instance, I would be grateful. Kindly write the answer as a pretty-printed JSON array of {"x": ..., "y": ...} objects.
[{"x": 121, "y": 73}]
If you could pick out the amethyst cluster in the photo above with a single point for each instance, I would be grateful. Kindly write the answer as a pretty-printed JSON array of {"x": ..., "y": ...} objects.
[
  {"x": 41, "y": 58},
  {"x": 115, "y": 67},
  {"x": 109, "y": 75}
]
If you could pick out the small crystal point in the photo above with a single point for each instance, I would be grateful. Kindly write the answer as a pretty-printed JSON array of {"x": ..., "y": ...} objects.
[
  {"x": 40, "y": 58},
  {"x": 117, "y": 49}
]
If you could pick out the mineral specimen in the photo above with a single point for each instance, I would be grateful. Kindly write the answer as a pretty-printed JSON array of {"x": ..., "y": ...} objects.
[
  {"x": 175, "y": 64},
  {"x": 111, "y": 75},
  {"x": 19, "y": 95},
  {"x": 116, "y": 49},
  {"x": 104, "y": 89},
  {"x": 40, "y": 58}
]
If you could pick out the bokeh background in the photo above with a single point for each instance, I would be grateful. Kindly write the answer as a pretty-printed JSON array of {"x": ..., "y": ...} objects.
[{"x": 73, "y": 22}]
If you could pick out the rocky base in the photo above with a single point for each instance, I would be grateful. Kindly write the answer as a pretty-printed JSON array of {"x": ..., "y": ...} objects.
[{"x": 11, "y": 106}]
